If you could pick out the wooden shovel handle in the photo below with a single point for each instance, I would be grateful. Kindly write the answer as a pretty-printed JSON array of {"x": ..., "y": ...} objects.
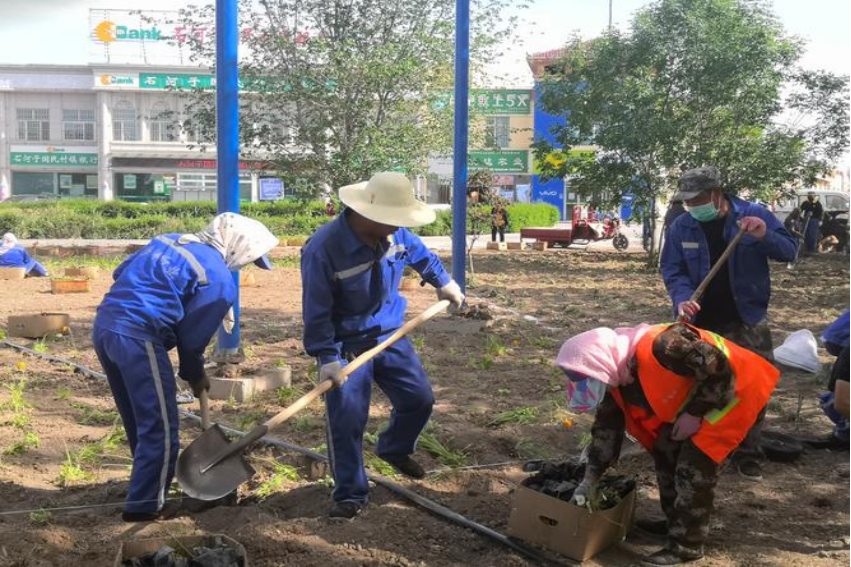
[
  {"x": 698, "y": 293},
  {"x": 326, "y": 385}
]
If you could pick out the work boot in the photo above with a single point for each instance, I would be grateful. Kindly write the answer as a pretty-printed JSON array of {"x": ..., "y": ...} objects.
[
  {"x": 345, "y": 510},
  {"x": 139, "y": 516},
  {"x": 407, "y": 466},
  {"x": 750, "y": 469},
  {"x": 653, "y": 527},
  {"x": 830, "y": 442},
  {"x": 672, "y": 554}
]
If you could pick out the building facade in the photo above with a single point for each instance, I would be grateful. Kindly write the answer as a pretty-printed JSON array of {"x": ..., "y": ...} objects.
[{"x": 108, "y": 132}]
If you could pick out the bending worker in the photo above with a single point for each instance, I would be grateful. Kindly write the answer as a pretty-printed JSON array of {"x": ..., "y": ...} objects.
[
  {"x": 13, "y": 255},
  {"x": 735, "y": 304},
  {"x": 687, "y": 395},
  {"x": 351, "y": 269},
  {"x": 174, "y": 292}
]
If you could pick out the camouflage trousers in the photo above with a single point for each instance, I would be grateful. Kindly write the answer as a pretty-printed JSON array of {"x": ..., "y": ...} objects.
[
  {"x": 687, "y": 479},
  {"x": 757, "y": 339}
]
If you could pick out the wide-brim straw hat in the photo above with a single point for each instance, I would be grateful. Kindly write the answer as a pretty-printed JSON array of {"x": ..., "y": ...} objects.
[{"x": 387, "y": 198}]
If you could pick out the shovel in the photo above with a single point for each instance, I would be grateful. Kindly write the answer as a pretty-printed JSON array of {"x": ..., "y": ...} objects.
[
  {"x": 698, "y": 293},
  {"x": 212, "y": 467}
]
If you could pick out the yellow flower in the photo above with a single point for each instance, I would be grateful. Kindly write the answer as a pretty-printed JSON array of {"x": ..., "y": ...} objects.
[
  {"x": 567, "y": 423},
  {"x": 21, "y": 366}
]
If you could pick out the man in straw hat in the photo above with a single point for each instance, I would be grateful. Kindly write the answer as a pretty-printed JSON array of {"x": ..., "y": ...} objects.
[{"x": 351, "y": 269}]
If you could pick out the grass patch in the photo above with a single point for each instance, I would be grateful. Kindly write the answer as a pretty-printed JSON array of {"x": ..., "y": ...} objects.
[
  {"x": 72, "y": 473},
  {"x": 494, "y": 347},
  {"x": 93, "y": 453},
  {"x": 250, "y": 420},
  {"x": 543, "y": 342},
  {"x": 520, "y": 416},
  {"x": 21, "y": 420},
  {"x": 528, "y": 449},
  {"x": 41, "y": 517},
  {"x": 91, "y": 415},
  {"x": 484, "y": 363},
  {"x": 63, "y": 394},
  {"x": 444, "y": 455},
  {"x": 281, "y": 475},
  {"x": 418, "y": 342},
  {"x": 30, "y": 441},
  {"x": 287, "y": 395},
  {"x": 303, "y": 424},
  {"x": 379, "y": 465},
  {"x": 16, "y": 402}
]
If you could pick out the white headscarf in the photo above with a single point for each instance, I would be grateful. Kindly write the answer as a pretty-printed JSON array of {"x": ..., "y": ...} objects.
[
  {"x": 239, "y": 239},
  {"x": 9, "y": 242}
]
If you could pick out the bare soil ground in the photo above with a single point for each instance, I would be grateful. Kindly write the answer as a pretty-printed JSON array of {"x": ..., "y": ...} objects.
[{"x": 499, "y": 400}]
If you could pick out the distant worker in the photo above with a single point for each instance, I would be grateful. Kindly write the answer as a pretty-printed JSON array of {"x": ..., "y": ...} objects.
[
  {"x": 13, "y": 255},
  {"x": 835, "y": 402},
  {"x": 330, "y": 209},
  {"x": 174, "y": 292},
  {"x": 499, "y": 222},
  {"x": 812, "y": 209},
  {"x": 687, "y": 395},
  {"x": 735, "y": 304},
  {"x": 350, "y": 274}
]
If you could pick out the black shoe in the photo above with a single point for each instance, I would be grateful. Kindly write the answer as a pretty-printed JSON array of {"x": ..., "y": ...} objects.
[
  {"x": 831, "y": 442},
  {"x": 139, "y": 516},
  {"x": 672, "y": 555},
  {"x": 750, "y": 470},
  {"x": 406, "y": 465},
  {"x": 345, "y": 510},
  {"x": 653, "y": 527}
]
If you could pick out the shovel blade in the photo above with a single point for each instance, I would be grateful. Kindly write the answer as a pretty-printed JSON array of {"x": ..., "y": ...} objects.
[{"x": 219, "y": 480}]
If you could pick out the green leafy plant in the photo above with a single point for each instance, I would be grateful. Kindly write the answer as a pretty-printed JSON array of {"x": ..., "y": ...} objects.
[
  {"x": 277, "y": 481},
  {"x": 444, "y": 455},
  {"x": 495, "y": 348},
  {"x": 543, "y": 342},
  {"x": 40, "y": 347},
  {"x": 287, "y": 395},
  {"x": 418, "y": 342},
  {"x": 520, "y": 416},
  {"x": 16, "y": 402},
  {"x": 63, "y": 394},
  {"x": 41, "y": 517},
  {"x": 484, "y": 363},
  {"x": 71, "y": 473},
  {"x": 91, "y": 415},
  {"x": 21, "y": 420},
  {"x": 303, "y": 424},
  {"x": 503, "y": 391},
  {"x": 30, "y": 441},
  {"x": 379, "y": 465},
  {"x": 250, "y": 420}
]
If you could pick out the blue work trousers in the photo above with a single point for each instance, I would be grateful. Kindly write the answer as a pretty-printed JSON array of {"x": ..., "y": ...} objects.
[
  {"x": 142, "y": 382},
  {"x": 400, "y": 375},
  {"x": 811, "y": 236}
]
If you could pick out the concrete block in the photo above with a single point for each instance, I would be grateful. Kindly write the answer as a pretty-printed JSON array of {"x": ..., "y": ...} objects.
[
  {"x": 245, "y": 387},
  {"x": 496, "y": 246},
  {"x": 540, "y": 246},
  {"x": 515, "y": 245}
]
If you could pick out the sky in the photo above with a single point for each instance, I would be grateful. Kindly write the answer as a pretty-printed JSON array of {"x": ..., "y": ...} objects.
[{"x": 56, "y": 31}]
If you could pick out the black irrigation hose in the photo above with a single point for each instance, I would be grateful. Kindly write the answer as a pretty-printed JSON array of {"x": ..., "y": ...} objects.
[{"x": 417, "y": 499}]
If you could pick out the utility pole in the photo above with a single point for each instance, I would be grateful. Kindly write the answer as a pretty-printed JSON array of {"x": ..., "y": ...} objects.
[{"x": 610, "y": 16}]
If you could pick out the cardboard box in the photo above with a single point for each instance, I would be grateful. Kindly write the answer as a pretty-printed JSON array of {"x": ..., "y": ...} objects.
[
  {"x": 38, "y": 325},
  {"x": 13, "y": 273},
  {"x": 140, "y": 547},
  {"x": 71, "y": 286},
  {"x": 567, "y": 529},
  {"x": 247, "y": 279},
  {"x": 496, "y": 246}
]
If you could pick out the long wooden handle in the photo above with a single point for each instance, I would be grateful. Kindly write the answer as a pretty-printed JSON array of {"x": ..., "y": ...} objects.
[
  {"x": 718, "y": 265},
  {"x": 326, "y": 385},
  {"x": 204, "y": 400}
]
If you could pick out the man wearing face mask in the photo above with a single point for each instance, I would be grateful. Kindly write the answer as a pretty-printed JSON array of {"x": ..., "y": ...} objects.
[
  {"x": 735, "y": 303},
  {"x": 812, "y": 208},
  {"x": 686, "y": 395}
]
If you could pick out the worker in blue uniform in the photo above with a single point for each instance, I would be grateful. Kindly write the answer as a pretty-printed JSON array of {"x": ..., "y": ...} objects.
[
  {"x": 174, "y": 292},
  {"x": 13, "y": 255},
  {"x": 351, "y": 269}
]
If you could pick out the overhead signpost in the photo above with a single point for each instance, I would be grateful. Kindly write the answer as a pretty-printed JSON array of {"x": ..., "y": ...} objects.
[
  {"x": 227, "y": 144},
  {"x": 459, "y": 166}
]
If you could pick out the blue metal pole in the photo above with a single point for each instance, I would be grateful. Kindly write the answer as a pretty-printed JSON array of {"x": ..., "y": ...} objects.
[
  {"x": 227, "y": 131},
  {"x": 459, "y": 169}
]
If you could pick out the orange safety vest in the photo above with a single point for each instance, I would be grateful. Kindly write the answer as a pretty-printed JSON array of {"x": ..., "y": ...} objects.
[{"x": 667, "y": 393}]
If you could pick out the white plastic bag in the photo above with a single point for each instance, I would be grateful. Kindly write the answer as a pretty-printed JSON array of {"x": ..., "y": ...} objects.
[{"x": 799, "y": 350}]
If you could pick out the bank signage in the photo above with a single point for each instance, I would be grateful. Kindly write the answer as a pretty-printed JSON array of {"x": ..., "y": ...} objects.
[
  {"x": 120, "y": 81},
  {"x": 61, "y": 156},
  {"x": 504, "y": 161},
  {"x": 181, "y": 164}
]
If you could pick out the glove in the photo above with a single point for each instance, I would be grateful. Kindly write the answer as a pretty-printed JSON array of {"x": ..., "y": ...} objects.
[
  {"x": 202, "y": 385},
  {"x": 584, "y": 493},
  {"x": 754, "y": 226},
  {"x": 688, "y": 309},
  {"x": 685, "y": 426},
  {"x": 332, "y": 371},
  {"x": 452, "y": 292}
]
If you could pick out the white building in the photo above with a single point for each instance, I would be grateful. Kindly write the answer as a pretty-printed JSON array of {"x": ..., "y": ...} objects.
[{"x": 108, "y": 132}]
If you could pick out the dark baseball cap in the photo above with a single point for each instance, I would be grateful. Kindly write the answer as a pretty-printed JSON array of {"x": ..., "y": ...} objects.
[{"x": 696, "y": 181}]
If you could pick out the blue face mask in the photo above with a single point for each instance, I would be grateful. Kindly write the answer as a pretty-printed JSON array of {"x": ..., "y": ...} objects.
[
  {"x": 584, "y": 394},
  {"x": 704, "y": 213}
]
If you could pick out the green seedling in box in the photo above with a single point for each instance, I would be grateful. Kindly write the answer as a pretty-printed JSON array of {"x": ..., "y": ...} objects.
[{"x": 41, "y": 518}]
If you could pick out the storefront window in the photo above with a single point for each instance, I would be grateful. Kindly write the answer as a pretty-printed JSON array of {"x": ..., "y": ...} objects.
[
  {"x": 43, "y": 184},
  {"x": 78, "y": 185},
  {"x": 204, "y": 187},
  {"x": 141, "y": 187}
]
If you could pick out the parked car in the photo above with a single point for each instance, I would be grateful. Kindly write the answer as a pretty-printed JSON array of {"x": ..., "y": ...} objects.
[{"x": 832, "y": 201}]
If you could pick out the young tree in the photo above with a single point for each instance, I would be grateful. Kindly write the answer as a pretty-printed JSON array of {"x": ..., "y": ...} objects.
[
  {"x": 693, "y": 82},
  {"x": 336, "y": 90}
]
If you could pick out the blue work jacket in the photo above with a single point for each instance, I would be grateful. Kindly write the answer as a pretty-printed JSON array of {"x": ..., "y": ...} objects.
[
  {"x": 350, "y": 296},
  {"x": 17, "y": 257},
  {"x": 838, "y": 332},
  {"x": 685, "y": 258},
  {"x": 173, "y": 294}
]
